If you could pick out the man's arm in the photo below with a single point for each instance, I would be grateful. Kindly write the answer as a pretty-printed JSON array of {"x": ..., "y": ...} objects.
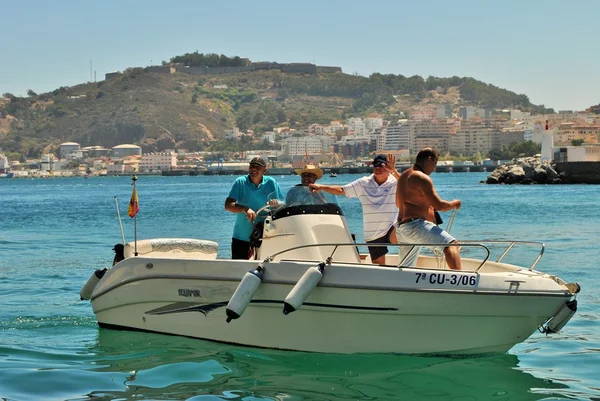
[
  {"x": 232, "y": 206},
  {"x": 432, "y": 197},
  {"x": 331, "y": 189}
]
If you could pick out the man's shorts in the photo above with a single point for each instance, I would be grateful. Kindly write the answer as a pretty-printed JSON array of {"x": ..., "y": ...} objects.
[
  {"x": 379, "y": 251},
  {"x": 419, "y": 231}
]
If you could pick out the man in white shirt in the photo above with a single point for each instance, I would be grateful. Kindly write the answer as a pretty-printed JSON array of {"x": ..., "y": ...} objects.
[{"x": 377, "y": 194}]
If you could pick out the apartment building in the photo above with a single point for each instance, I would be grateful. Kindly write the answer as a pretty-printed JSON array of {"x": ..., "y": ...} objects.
[
  {"x": 373, "y": 124},
  {"x": 158, "y": 161},
  {"x": 304, "y": 145},
  {"x": 397, "y": 137},
  {"x": 568, "y": 131},
  {"x": 432, "y": 133},
  {"x": 472, "y": 137}
]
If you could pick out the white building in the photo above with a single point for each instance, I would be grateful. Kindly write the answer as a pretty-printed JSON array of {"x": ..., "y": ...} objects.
[
  {"x": 373, "y": 124},
  {"x": 357, "y": 127},
  {"x": 121, "y": 151},
  {"x": 467, "y": 112},
  {"x": 66, "y": 148},
  {"x": 303, "y": 145},
  {"x": 232, "y": 133},
  {"x": 74, "y": 155},
  {"x": 397, "y": 136},
  {"x": 519, "y": 115},
  {"x": 48, "y": 162},
  {"x": 269, "y": 136},
  {"x": 317, "y": 129},
  {"x": 158, "y": 161},
  {"x": 443, "y": 111},
  {"x": 335, "y": 126}
]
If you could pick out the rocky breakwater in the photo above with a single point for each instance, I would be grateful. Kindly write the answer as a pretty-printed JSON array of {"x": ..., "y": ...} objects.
[{"x": 526, "y": 170}]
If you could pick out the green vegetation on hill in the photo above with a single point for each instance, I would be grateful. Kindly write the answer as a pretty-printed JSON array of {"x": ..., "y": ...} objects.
[
  {"x": 209, "y": 60},
  {"x": 166, "y": 111}
]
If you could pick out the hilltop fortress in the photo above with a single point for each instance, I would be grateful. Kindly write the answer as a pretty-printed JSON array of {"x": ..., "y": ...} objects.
[{"x": 306, "y": 68}]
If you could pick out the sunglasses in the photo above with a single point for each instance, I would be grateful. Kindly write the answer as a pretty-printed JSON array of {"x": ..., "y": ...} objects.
[{"x": 379, "y": 164}]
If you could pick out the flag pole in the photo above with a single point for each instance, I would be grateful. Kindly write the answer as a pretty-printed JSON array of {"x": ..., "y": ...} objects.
[
  {"x": 120, "y": 223},
  {"x": 134, "y": 179}
]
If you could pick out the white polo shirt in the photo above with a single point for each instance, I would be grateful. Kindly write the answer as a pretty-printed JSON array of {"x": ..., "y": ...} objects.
[{"x": 378, "y": 202}]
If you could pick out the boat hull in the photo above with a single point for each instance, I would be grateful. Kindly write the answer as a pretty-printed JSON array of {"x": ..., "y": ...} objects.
[{"x": 355, "y": 309}]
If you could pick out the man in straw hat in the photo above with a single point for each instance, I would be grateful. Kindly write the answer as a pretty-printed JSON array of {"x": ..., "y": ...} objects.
[
  {"x": 377, "y": 194},
  {"x": 301, "y": 193}
]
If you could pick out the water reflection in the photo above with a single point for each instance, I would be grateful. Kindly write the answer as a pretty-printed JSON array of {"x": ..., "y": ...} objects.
[{"x": 150, "y": 366}]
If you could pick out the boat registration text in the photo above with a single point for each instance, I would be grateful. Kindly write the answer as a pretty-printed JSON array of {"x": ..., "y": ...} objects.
[{"x": 457, "y": 280}]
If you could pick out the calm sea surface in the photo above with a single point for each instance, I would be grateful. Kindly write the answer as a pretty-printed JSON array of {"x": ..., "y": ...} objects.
[{"x": 55, "y": 232}]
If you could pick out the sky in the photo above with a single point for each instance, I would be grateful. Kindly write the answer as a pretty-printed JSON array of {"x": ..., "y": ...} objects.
[{"x": 548, "y": 50}]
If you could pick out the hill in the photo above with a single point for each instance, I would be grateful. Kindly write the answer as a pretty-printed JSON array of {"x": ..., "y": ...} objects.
[
  {"x": 594, "y": 109},
  {"x": 164, "y": 111}
]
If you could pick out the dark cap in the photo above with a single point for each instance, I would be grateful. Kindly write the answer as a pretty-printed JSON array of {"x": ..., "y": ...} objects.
[
  {"x": 118, "y": 247},
  {"x": 259, "y": 160},
  {"x": 380, "y": 158}
]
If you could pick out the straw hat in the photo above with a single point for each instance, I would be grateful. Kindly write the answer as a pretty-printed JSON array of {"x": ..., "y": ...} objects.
[{"x": 312, "y": 169}]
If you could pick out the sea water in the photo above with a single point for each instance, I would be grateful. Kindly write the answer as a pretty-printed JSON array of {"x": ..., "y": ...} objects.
[{"x": 55, "y": 232}]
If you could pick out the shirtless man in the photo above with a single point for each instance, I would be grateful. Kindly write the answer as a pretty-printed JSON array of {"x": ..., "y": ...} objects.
[{"x": 416, "y": 199}]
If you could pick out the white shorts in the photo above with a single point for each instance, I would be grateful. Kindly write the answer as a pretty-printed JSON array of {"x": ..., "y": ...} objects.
[{"x": 419, "y": 231}]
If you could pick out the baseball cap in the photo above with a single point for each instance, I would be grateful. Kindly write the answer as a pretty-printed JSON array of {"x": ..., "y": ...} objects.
[
  {"x": 259, "y": 161},
  {"x": 380, "y": 158}
]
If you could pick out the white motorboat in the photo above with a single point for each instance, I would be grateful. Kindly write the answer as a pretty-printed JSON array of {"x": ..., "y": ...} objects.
[{"x": 308, "y": 289}]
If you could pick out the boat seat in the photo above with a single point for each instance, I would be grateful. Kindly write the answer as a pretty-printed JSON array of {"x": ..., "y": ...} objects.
[{"x": 181, "y": 248}]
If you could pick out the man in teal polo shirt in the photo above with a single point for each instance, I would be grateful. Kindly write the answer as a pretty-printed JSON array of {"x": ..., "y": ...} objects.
[{"x": 248, "y": 194}]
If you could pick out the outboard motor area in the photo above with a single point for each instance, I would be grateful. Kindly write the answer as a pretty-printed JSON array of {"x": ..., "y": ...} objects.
[{"x": 295, "y": 224}]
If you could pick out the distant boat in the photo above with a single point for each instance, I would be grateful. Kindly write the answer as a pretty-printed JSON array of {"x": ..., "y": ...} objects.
[
  {"x": 5, "y": 167},
  {"x": 333, "y": 175}
]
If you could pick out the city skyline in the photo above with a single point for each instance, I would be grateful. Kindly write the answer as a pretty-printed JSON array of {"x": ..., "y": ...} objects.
[{"x": 544, "y": 50}]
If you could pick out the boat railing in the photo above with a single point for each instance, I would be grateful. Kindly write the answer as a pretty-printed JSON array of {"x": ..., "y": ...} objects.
[
  {"x": 509, "y": 247},
  {"x": 477, "y": 244},
  {"x": 337, "y": 245}
]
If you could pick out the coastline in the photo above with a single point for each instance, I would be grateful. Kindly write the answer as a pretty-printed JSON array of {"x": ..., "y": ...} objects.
[{"x": 271, "y": 171}]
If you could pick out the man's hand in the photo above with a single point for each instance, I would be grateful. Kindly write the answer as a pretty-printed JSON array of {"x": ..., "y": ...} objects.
[
  {"x": 390, "y": 166},
  {"x": 456, "y": 204},
  {"x": 314, "y": 187},
  {"x": 250, "y": 214}
]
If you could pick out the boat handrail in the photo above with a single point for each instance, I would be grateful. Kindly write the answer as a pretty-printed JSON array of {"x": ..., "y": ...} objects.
[
  {"x": 339, "y": 244},
  {"x": 511, "y": 244}
]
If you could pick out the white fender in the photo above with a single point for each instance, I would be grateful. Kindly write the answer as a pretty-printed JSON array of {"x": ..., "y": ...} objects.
[
  {"x": 243, "y": 293},
  {"x": 561, "y": 318},
  {"x": 90, "y": 284},
  {"x": 309, "y": 280}
]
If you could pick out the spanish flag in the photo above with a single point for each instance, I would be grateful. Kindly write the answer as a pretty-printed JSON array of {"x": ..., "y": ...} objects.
[{"x": 133, "y": 204}]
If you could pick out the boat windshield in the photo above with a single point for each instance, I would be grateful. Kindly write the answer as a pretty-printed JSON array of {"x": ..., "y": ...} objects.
[
  {"x": 302, "y": 195},
  {"x": 300, "y": 200}
]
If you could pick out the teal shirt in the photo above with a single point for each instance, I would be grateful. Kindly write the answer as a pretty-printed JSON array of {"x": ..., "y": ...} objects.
[{"x": 244, "y": 192}]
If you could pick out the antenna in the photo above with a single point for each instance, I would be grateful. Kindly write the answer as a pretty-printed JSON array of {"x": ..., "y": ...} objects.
[
  {"x": 94, "y": 75},
  {"x": 90, "y": 70}
]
